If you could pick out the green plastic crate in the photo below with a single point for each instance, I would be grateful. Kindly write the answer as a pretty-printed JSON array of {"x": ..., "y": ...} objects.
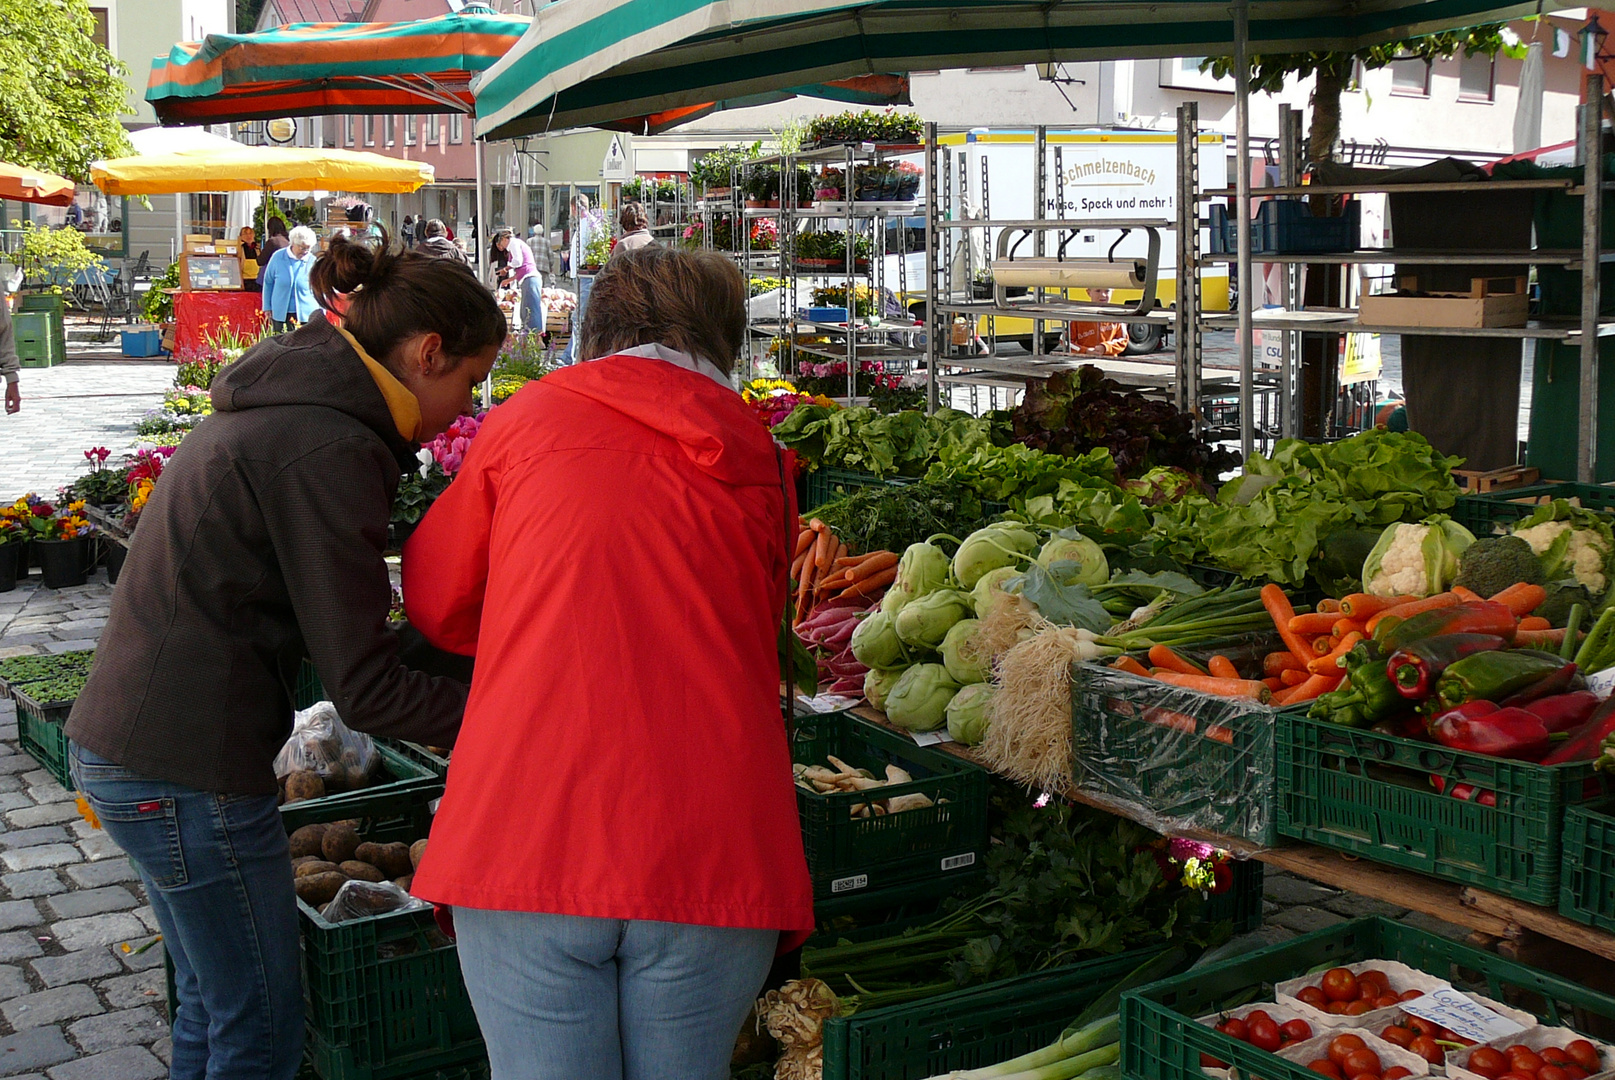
[
  {"x": 1587, "y": 880},
  {"x": 40, "y": 339},
  {"x": 971, "y": 1028},
  {"x": 1482, "y": 514},
  {"x": 308, "y": 691},
  {"x": 1161, "y": 1040},
  {"x": 825, "y": 484},
  {"x": 420, "y": 755},
  {"x": 1194, "y": 761},
  {"x": 847, "y": 854},
  {"x": 398, "y": 773},
  {"x": 1242, "y": 903},
  {"x": 41, "y": 734},
  {"x": 865, "y": 916},
  {"x": 1369, "y": 794}
]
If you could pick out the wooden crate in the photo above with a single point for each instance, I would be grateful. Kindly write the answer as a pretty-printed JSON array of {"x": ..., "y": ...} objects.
[{"x": 1476, "y": 482}]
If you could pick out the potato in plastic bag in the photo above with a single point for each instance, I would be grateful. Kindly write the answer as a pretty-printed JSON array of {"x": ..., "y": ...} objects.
[
  {"x": 322, "y": 744},
  {"x": 362, "y": 899}
]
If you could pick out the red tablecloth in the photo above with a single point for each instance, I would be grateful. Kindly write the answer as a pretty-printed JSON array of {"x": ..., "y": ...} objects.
[{"x": 200, "y": 315}]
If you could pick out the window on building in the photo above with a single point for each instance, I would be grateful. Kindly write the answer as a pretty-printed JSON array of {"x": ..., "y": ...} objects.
[
  {"x": 392, "y": 129},
  {"x": 496, "y": 204},
  {"x": 1410, "y": 78},
  {"x": 370, "y": 131},
  {"x": 535, "y": 205},
  {"x": 347, "y": 130},
  {"x": 412, "y": 126},
  {"x": 1476, "y": 76},
  {"x": 456, "y": 127},
  {"x": 434, "y": 127},
  {"x": 100, "y": 35}
]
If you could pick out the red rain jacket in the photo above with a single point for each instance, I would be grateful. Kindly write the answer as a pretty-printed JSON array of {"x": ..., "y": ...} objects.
[{"x": 614, "y": 553}]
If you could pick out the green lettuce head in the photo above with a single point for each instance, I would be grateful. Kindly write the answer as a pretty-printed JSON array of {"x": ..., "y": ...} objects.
[
  {"x": 924, "y": 622},
  {"x": 989, "y": 595},
  {"x": 964, "y": 671},
  {"x": 875, "y": 644},
  {"x": 1573, "y": 544},
  {"x": 923, "y": 568},
  {"x": 990, "y": 548},
  {"x": 919, "y": 701},
  {"x": 878, "y": 685},
  {"x": 1070, "y": 546},
  {"x": 1416, "y": 560},
  {"x": 969, "y": 713}
]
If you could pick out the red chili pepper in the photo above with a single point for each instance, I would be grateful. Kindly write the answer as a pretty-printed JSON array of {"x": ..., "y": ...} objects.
[
  {"x": 1507, "y": 733},
  {"x": 1415, "y": 668},
  {"x": 1562, "y": 712},
  {"x": 1587, "y": 741}
]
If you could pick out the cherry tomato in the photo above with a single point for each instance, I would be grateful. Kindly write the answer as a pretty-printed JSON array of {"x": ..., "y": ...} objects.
[
  {"x": 1237, "y": 1028},
  {"x": 1342, "y": 1046},
  {"x": 1576, "y": 1072},
  {"x": 1401, "y": 1036},
  {"x": 1387, "y": 1002},
  {"x": 1314, "y": 996},
  {"x": 1368, "y": 988},
  {"x": 1552, "y": 1072},
  {"x": 1424, "y": 1027},
  {"x": 1359, "y": 1007},
  {"x": 1554, "y": 1056},
  {"x": 1336, "y": 1008},
  {"x": 1488, "y": 1062},
  {"x": 1526, "y": 1061},
  {"x": 1327, "y": 1068},
  {"x": 1339, "y": 984},
  {"x": 1296, "y": 1030},
  {"x": 1209, "y": 1062},
  {"x": 1264, "y": 1035},
  {"x": 1361, "y": 1061},
  {"x": 1366, "y": 1076},
  {"x": 1585, "y": 1054},
  {"x": 1515, "y": 1076},
  {"x": 1255, "y": 1015},
  {"x": 1409, "y": 995},
  {"x": 1428, "y": 1049},
  {"x": 1396, "y": 1072}
]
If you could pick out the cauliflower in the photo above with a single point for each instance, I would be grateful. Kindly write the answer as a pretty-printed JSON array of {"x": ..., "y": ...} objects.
[
  {"x": 1401, "y": 566},
  {"x": 1572, "y": 543},
  {"x": 1415, "y": 560}
]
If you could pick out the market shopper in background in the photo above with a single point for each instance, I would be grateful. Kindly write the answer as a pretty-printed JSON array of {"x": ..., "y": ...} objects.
[
  {"x": 262, "y": 545},
  {"x": 521, "y": 270},
  {"x": 622, "y": 930},
  {"x": 275, "y": 238},
  {"x": 10, "y": 364},
  {"x": 584, "y": 227},
  {"x": 635, "y": 224},
  {"x": 250, "y": 266},
  {"x": 436, "y": 241},
  {"x": 287, "y": 292}
]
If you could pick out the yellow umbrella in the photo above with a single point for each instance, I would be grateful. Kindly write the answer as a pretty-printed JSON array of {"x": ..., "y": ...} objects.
[{"x": 259, "y": 168}]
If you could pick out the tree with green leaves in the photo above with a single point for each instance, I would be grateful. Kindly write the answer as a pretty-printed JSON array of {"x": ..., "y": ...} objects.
[
  {"x": 1334, "y": 72},
  {"x": 60, "y": 93}
]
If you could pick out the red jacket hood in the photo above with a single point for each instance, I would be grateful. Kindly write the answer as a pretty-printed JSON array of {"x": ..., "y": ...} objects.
[{"x": 711, "y": 423}]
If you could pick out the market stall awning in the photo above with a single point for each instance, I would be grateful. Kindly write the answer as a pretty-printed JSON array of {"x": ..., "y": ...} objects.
[
  {"x": 324, "y": 69},
  {"x": 255, "y": 168},
  {"x": 24, "y": 183},
  {"x": 590, "y": 62},
  {"x": 859, "y": 90}
]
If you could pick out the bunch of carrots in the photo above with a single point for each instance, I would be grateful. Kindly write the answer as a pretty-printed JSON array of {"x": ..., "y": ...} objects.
[
  {"x": 1315, "y": 643},
  {"x": 824, "y": 569}
]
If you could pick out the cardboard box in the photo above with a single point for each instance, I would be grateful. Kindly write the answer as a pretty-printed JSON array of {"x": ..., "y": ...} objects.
[{"x": 1489, "y": 302}]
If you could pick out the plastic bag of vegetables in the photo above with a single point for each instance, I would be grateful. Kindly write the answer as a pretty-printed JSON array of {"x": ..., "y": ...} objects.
[
  {"x": 1416, "y": 560},
  {"x": 919, "y": 700}
]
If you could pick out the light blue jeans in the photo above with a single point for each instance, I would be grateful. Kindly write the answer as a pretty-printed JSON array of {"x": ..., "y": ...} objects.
[
  {"x": 585, "y": 283},
  {"x": 532, "y": 289},
  {"x": 562, "y": 997}
]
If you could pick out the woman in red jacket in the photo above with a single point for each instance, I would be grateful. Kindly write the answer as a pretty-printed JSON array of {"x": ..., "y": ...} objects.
[{"x": 619, "y": 838}]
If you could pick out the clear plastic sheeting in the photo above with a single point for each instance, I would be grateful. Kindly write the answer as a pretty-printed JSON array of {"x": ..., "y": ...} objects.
[
  {"x": 1178, "y": 760},
  {"x": 364, "y": 899}
]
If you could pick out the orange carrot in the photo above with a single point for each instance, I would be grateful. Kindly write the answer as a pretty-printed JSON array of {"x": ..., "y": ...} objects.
[
  {"x": 1329, "y": 605},
  {"x": 1521, "y": 599},
  {"x": 1408, "y": 610},
  {"x": 851, "y": 560},
  {"x": 1317, "y": 623},
  {"x": 1322, "y": 645},
  {"x": 1466, "y": 595},
  {"x": 1330, "y": 662},
  {"x": 1347, "y": 626},
  {"x": 874, "y": 564},
  {"x": 1222, "y": 667},
  {"x": 1318, "y": 684},
  {"x": 1238, "y": 688},
  {"x": 1538, "y": 638},
  {"x": 1163, "y": 657},
  {"x": 796, "y": 566},
  {"x": 1275, "y": 684},
  {"x": 824, "y": 550},
  {"x": 874, "y": 583},
  {"x": 1275, "y": 663},
  {"x": 1535, "y": 622},
  {"x": 804, "y": 539},
  {"x": 1293, "y": 677},
  {"x": 1278, "y": 606},
  {"x": 831, "y": 582},
  {"x": 1362, "y": 606},
  {"x": 804, "y": 588},
  {"x": 1131, "y": 666}
]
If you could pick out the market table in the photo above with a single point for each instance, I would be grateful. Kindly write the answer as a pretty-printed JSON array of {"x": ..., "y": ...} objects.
[
  {"x": 1477, "y": 910},
  {"x": 199, "y": 316}
]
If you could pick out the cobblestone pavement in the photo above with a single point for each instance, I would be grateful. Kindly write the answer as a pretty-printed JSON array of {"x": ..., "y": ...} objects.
[{"x": 66, "y": 410}]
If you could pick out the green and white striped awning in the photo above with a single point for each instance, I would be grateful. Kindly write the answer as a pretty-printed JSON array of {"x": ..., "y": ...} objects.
[{"x": 588, "y": 62}]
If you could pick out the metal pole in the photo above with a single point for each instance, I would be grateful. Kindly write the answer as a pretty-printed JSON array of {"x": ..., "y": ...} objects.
[
  {"x": 933, "y": 317},
  {"x": 1592, "y": 200},
  {"x": 1242, "y": 185},
  {"x": 1289, "y": 149},
  {"x": 1186, "y": 317},
  {"x": 1039, "y": 185},
  {"x": 479, "y": 233}
]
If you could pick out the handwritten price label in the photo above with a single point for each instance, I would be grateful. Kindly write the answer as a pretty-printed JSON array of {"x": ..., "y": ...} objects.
[{"x": 1461, "y": 1015}]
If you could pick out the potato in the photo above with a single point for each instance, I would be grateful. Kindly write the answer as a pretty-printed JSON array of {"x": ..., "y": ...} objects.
[
  {"x": 340, "y": 842},
  {"x": 362, "y": 871},
  {"x": 390, "y": 859},
  {"x": 315, "y": 866},
  {"x": 417, "y": 852},
  {"x": 318, "y": 889},
  {"x": 405, "y": 882},
  {"x": 302, "y": 859},
  {"x": 304, "y": 785},
  {"x": 306, "y": 841}
]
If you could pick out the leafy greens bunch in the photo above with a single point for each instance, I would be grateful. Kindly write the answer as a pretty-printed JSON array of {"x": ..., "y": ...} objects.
[{"x": 900, "y": 444}]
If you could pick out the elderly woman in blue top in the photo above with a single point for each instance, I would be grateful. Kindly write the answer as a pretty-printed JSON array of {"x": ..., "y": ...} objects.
[{"x": 287, "y": 296}]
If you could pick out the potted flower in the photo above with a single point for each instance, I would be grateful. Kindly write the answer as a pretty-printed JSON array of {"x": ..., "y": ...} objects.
[
  {"x": 860, "y": 126},
  {"x": 13, "y": 543},
  {"x": 830, "y": 185},
  {"x": 59, "y": 536}
]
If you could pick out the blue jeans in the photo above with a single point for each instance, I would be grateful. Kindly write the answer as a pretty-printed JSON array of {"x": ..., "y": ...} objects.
[
  {"x": 585, "y": 283},
  {"x": 532, "y": 288},
  {"x": 218, "y": 874},
  {"x": 560, "y": 997}
]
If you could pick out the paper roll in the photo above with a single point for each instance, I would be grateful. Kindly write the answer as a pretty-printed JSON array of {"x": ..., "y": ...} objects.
[{"x": 1069, "y": 273}]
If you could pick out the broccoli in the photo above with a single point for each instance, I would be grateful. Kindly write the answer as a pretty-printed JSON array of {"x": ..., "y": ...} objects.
[
  {"x": 1562, "y": 596},
  {"x": 1490, "y": 565}
]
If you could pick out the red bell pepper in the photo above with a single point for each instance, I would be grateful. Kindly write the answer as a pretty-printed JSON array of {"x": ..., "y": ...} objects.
[
  {"x": 1466, "y": 792},
  {"x": 1587, "y": 741},
  {"x": 1566, "y": 679},
  {"x": 1562, "y": 712},
  {"x": 1415, "y": 668},
  {"x": 1474, "y": 617},
  {"x": 1506, "y": 733}
]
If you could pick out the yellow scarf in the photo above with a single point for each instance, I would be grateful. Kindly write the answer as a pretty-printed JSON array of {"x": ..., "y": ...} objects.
[{"x": 405, "y": 409}]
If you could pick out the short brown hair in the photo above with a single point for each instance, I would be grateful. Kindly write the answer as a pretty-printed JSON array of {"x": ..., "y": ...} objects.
[
  {"x": 633, "y": 216},
  {"x": 692, "y": 301}
]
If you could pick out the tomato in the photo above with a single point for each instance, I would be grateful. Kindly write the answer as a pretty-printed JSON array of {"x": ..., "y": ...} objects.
[
  {"x": 1369, "y": 989},
  {"x": 1339, "y": 984},
  {"x": 1296, "y": 1030},
  {"x": 1428, "y": 1049},
  {"x": 1376, "y": 975},
  {"x": 1336, "y": 1008},
  {"x": 1359, "y": 1007},
  {"x": 1554, "y": 1056},
  {"x": 1409, "y": 995},
  {"x": 1576, "y": 1072},
  {"x": 1264, "y": 1035},
  {"x": 1342, "y": 1046},
  {"x": 1361, "y": 1061},
  {"x": 1399, "y": 1036},
  {"x": 1515, "y": 1076},
  {"x": 1366, "y": 1076},
  {"x": 1525, "y": 1061},
  {"x": 1424, "y": 1027},
  {"x": 1209, "y": 1062},
  {"x": 1387, "y": 1002},
  {"x": 1552, "y": 1072},
  {"x": 1585, "y": 1054},
  {"x": 1255, "y": 1015},
  {"x": 1327, "y": 1068},
  {"x": 1396, "y": 1072},
  {"x": 1236, "y": 1027},
  {"x": 1489, "y": 1062},
  {"x": 1314, "y": 996}
]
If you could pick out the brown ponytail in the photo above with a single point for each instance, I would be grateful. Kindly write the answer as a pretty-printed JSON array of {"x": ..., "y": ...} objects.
[{"x": 394, "y": 295}]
